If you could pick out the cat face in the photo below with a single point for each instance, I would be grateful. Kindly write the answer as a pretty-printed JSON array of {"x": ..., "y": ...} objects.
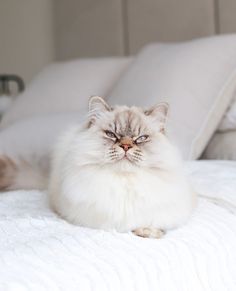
[{"x": 128, "y": 135}]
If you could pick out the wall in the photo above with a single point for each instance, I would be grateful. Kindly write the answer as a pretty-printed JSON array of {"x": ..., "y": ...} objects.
[
  {"x": 118, "y": 27},
  {"x": 26, "y": 36},
  {"x": 89, "y": 28},
  {"x": 33, "y": 33},
  {"x": 121, "y": 27}
]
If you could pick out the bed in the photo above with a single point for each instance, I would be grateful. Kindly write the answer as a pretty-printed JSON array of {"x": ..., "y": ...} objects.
[{"x": 40, "y": 251}]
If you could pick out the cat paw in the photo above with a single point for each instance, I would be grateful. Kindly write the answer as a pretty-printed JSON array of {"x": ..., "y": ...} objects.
[{"x": 149, "y": 232}]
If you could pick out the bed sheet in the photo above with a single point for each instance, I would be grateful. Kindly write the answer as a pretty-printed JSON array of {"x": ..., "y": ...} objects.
[{"x": 39, "y": 251}]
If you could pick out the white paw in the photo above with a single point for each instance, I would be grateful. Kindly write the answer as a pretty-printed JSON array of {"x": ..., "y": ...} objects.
[{"x": 149, "y": 232}]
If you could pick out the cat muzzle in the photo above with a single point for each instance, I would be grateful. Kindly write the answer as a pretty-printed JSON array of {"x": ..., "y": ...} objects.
[{"x": 126, "y": 147}]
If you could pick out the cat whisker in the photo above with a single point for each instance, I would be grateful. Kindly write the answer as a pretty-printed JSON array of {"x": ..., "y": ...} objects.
[
  {"x": 113, "y": 156},
  {"x": 136, "y": 159},
  {"x": 138, "y": 150},
  {"x": 137, "y": 154},
  {"x": 113, "y": 153},
  {"x": 110, "y": 153}
]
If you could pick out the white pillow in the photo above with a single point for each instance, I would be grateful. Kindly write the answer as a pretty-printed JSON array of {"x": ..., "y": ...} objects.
[
  {"x": 32, "y": 138},
  {"x": 66, "y": 86},
  {"x": 229, "y": 120},
  {"x": 197, "y": 78},
  {"x": 222, "y": 147}
]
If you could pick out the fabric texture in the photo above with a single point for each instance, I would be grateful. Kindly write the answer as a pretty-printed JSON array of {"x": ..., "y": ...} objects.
[
  {"x": 40, "y": 251},
  {"x": 229, "y": 120},
  {"x": 66, "y": 86},
  {"x": 222, "y": 146},
  {"x": 197, "y": 78},
  {"x": 32, "y": 138}
]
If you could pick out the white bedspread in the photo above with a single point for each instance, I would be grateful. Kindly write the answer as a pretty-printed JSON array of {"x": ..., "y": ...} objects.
[{"x": 39, "y": 251}]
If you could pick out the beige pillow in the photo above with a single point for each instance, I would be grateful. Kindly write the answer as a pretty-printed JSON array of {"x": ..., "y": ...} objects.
[
  {"x": 66, "y": 86},
  {"x": 197, "y": 78},
  {"x": 222, "y": 146}
]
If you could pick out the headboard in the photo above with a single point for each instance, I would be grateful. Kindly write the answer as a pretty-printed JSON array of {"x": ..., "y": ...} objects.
[
  {"x": 35, "y": 33},
  {"x": 87, "y": 28}
]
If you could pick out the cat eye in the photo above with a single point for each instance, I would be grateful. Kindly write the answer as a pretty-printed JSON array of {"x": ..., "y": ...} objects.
[
  {"x": 142, "y": 138},
  {"x": 110, "y": 134}
]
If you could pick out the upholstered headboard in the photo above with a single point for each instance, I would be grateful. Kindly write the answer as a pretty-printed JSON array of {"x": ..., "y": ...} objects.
[
  {"x": 121, "y": 27},
  {"x": 35, "y": 33}
]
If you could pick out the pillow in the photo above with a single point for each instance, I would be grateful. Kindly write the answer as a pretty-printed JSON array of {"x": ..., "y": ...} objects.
[
  {"x": 197, "y": 78},
  {"x": 229, "y": 120},
  {"x": 222, "y": 146},
  {"x": 32, "y": 138},
  {"x": 66, "y": 86}
]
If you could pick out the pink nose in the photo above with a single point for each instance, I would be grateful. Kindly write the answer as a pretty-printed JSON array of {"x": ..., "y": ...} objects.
[{"x": 126, "y": 147}]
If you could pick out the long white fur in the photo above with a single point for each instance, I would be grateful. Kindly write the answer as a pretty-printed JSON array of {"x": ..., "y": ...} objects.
[{"x": 89, "y": 188}]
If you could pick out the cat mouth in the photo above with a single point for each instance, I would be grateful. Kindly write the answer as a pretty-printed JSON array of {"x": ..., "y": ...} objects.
[{"x": 125, "y": 157}]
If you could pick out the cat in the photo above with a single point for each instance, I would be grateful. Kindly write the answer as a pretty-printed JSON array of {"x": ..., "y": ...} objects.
[{"x": 119, "y": 171}]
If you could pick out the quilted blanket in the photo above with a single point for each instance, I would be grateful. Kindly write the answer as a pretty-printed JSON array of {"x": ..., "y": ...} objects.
[{"x": 39, "y": 251}]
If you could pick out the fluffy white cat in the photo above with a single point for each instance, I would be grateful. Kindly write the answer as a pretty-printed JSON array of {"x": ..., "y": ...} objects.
[{"x": 119, "y": 171}]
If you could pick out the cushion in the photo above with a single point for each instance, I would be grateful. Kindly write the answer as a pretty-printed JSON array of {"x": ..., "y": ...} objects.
[
  {"x": 66, "y": 86},
  {"x": 32, "y": 138},
  {"x": 229, "y": 120},
  {"x": 222, "y": 146},
  {"x": 197, "y": 78}
]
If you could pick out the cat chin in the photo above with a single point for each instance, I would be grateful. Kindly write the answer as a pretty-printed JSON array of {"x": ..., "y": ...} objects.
[{"x": 124, "y": 164}]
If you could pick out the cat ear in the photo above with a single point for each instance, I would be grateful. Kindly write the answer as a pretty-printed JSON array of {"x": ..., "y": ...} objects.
[
  {"x": 160, "y": 113},
  {"x": 97, "y": 106}
]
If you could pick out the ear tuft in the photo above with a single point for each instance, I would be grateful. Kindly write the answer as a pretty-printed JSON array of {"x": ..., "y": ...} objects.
[
  {"x": 160, "y": 113},
  {"x": 98, "y": 103},
  {"x": 97, "y": 106}
]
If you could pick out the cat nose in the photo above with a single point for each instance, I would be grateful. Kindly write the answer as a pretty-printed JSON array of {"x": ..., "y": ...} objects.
[{"x": 125, "y": 147}]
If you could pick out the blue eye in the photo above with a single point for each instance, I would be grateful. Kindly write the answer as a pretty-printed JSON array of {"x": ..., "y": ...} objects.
[
  {"x": 110, "y": 134},
  {"x": 142, "y": 138}
]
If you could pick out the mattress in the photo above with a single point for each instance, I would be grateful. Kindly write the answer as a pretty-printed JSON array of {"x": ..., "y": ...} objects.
[{"x": 40, "y": 251}]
